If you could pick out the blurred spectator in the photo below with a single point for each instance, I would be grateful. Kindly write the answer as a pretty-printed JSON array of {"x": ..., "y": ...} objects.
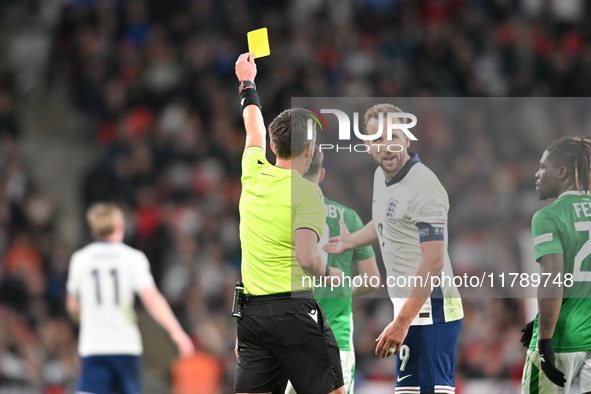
[{"x": 37, "y": 345}]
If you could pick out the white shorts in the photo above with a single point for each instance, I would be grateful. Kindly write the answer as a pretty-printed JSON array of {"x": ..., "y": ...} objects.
[
  {"x": 348, "y": 365},
  {"x": 573, "y": 365}
]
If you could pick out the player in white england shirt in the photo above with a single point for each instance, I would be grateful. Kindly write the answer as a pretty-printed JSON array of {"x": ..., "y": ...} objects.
[
  {"x": 103, "y": 279},
  {"x": 409, "y": 219}
]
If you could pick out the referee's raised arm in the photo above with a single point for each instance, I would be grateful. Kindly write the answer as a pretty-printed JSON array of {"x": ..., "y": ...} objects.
[{"x": 246, "y": 71}]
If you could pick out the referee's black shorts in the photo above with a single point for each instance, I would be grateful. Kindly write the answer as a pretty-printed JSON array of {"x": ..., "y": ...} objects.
[{"x": 286, "y": 335}]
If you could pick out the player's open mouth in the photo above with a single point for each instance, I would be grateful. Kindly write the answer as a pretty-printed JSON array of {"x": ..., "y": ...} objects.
[{"x": 389, "y": 159}]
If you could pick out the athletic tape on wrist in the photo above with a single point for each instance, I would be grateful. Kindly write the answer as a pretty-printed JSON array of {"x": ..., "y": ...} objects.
[{"x": 248, "y": 97}]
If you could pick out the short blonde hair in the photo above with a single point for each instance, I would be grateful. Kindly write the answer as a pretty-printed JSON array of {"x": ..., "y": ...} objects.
[{"x": 102, "y": 218}]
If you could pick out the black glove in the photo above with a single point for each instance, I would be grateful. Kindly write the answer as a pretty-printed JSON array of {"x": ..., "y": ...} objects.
[
  {"x": 547, "y": 362},
  {"x": 527, "y": 331}
]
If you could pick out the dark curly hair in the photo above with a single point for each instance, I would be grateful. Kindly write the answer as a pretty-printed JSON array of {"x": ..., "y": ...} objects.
[{"x": 574, "y": 153}]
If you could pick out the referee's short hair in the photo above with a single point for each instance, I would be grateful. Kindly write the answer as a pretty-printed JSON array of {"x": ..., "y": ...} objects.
[
  {"x": 102, "y": 219},
  {"x": 289, "y": 132}
]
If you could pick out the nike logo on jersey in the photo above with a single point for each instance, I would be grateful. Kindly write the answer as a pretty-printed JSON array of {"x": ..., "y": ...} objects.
[
  {"x": 314, "y": 315},
  {"x": 398, "y": 378},
  {"x": 542, "y": 359},
  {"x": 242, "y": 101}
]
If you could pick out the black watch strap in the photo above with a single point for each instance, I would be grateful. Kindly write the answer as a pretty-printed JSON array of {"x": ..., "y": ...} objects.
[{"x": 246, "y": 84}]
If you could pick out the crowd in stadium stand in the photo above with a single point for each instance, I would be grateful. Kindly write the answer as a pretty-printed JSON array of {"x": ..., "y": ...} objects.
[
  {"x": 37, "y": 342},
  {"x": 154, "y": 83}
]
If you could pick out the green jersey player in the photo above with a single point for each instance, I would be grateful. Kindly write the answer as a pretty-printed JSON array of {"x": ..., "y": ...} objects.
[
  {"x": 560, "y": 351},
  {"x": 336, "y": 302}
]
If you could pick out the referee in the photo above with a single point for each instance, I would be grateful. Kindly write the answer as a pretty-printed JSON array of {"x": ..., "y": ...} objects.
[{"x": 283, "y": 328}]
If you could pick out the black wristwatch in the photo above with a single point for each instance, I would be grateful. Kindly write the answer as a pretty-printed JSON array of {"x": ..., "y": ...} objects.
[{"x": 244, "y": 85}]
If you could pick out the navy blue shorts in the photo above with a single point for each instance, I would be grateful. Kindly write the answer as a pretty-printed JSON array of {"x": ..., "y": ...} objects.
[
  {"x": 426, "y": 362},
  {"x": 110, "y": 373}
]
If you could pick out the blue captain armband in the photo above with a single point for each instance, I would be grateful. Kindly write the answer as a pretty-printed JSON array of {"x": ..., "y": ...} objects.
[{"x": 428, "y": 232}]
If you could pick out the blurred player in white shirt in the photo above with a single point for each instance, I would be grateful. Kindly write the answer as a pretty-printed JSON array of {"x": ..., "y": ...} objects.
[{"x": 103, "y": 279}]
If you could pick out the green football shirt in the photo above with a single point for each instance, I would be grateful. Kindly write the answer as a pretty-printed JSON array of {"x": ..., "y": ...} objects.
[
  {"x": 564, "y": 227},
  {"x": 336, "y": 303},
  {"x": 274, "y": 203}
]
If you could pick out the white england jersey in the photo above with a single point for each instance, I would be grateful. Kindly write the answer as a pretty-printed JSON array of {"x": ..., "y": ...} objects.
[
  {"x": 412, "y": 208},
  {"x": 105, "y": 276}
]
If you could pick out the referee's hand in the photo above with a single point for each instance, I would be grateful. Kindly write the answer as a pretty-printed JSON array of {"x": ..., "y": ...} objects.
[{"x": 246, "y": 69}]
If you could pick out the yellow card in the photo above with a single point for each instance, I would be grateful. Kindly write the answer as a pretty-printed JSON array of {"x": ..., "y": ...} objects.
[{"x": 258, "y": 42}]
